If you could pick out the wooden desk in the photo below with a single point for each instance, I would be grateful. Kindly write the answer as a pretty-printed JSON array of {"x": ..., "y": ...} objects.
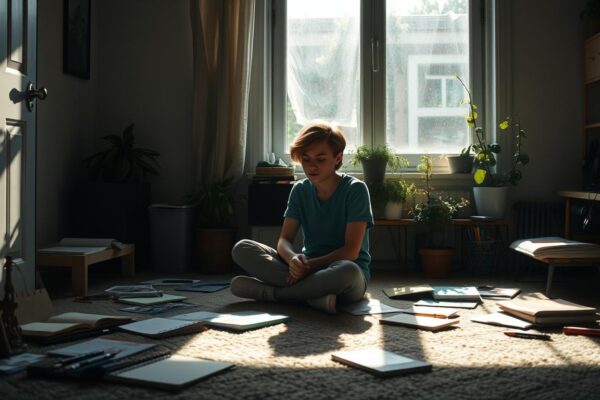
[
  {"x": 501, "y": 226},
  {"x": 570, "y": 195},
  {"x": 79, "y": 264}
]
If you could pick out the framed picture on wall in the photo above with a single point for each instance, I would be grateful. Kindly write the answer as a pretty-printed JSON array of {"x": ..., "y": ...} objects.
[{"x": 76, "y": 38}]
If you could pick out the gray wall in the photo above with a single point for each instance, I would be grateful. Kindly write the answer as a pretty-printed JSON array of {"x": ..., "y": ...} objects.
[{"x": 141, "y": 73}]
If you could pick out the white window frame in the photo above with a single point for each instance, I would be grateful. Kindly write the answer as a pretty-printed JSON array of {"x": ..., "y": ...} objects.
[{"x": 372, "y": 118}]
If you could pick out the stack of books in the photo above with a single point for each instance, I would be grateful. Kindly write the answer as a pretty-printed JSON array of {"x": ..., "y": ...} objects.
[
  {"x": 541, "y": 311},
  {"x": 274, "y": 174}
]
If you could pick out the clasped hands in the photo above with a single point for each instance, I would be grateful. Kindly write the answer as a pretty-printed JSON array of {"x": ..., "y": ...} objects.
[{"x": 298, "y": 268}]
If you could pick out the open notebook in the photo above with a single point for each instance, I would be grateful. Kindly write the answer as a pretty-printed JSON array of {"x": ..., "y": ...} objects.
[
  {"x": 70, "y": 323},
  {"x": 171, "y": 373}
]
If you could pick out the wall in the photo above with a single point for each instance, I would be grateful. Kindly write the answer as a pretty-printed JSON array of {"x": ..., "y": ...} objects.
[
  {"x": 141, "y": 72},
  {"x": 547, "y": 64},
  {"x": 65, "y": 120}
]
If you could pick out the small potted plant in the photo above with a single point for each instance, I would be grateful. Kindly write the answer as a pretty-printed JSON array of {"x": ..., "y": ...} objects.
[
  {"x": 215, "y": 235},
  {"x": 388, "y": 198},
  {"x": 375, "y": 161},
  {"x": 462, "y": 163},
  {"x": 491, "y": 187},
  {"x": 435, "y": 213}
]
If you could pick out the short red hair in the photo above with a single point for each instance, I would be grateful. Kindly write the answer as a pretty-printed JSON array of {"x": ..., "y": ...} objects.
[{"x": 316, "y": 132}]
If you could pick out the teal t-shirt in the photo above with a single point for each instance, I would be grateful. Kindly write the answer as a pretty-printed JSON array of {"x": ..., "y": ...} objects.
[{"x": 324, "y": 224}]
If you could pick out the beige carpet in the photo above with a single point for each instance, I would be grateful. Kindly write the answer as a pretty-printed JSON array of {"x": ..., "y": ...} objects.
[{"x": 293, "y": 360}]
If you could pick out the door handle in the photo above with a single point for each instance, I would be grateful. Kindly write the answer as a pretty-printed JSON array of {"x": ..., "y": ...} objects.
[{"x": 32, "y": 93}]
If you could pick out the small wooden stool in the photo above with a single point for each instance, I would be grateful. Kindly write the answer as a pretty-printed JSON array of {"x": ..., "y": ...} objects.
[{"x": 79, "y": 264}]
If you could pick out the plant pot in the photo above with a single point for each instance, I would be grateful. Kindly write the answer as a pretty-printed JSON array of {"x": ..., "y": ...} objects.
[
  {"x": 436, "y": 261},
  {"x": 490, "y": 201},
  {"x": 393, "y": 210},
  {"x": 213, "y": 246},
  {"x": 374, "y": 170},
  {"x": 460, "y": 165}
]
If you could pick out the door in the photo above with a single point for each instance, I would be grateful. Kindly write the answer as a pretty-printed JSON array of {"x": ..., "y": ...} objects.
[{"x": 17, "y": 138}]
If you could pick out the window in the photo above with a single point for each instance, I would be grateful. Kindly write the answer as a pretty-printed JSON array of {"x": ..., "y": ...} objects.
[{"x": 383, "y": 70}]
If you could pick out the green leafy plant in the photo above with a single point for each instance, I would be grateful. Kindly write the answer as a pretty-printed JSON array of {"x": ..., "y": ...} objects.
[
  {"x": 215, "y": 201},
  {"x": 122, "y": 161},
  {"x": 391, "y": 190},
  {"x": 383, "y": 153},
  {"x": 435, "y": 211},
  {"x": 466, "y": 151},
  {"x": 485, "y": 153}
]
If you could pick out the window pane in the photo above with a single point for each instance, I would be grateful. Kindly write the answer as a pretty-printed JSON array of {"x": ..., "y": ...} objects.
[
  {"x": 427, "y": 45},
  {"x": 323, "y": 74}
]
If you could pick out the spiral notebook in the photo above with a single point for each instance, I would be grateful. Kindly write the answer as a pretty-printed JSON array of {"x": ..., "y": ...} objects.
[
  {"x": 171, "y": 373},
  {"x": 157, "y": 328}
]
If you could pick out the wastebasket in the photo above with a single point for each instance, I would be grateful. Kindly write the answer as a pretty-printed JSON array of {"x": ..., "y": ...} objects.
[{"x": 172, "y": 234}]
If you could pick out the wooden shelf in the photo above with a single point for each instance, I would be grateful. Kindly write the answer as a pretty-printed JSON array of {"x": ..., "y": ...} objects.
[{"x": 592, "y": 126}]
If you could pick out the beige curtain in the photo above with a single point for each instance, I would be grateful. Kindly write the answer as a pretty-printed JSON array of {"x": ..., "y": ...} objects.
[{"x": 222, "y": 33}]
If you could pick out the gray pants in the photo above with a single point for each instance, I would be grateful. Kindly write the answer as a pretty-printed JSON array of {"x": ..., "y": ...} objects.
[{"x": 343, "y": 278}]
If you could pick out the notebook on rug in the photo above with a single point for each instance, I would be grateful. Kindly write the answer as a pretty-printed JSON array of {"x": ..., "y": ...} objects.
[
  {"x": 237, "y": 321},
  {"x": 157, "y": 328},
  {"x": 368, "y": 306},
  {"x": 70, "y": 323},
  {"x": 124, "y": 348},
  {"x": 381, "y": 362},
  {"x": 462, "y": 293},
  {"x": 548, "y": 311},
  {"x": 171, "y": 373},
  {"x": 171, "y": 281},
  {"x": 204, "y": 286},
  {"x": 450, "y": 304},
  {"x": 415, "y": 321},
  {"x": 435, "y": 312},
  {"x": 502, "y": 319},
  {"x": 495, "y": 292},
  {"x": 408, "y": 292},
  {"x": 148, "y": 301}
]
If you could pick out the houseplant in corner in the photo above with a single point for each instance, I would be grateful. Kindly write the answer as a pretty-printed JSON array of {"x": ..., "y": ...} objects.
[
  {"x": 375, "y": 160},
  {"x": 491, "y": 187},
  {"x": 215, "y": 235},
  {"x": 115, "y": 201},
  {"x": 462, "y": 163},
  {"x": 435, "y": 213}
]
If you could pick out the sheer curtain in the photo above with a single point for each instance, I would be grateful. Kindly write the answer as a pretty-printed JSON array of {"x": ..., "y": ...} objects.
[{"x": 222, "y": 44}]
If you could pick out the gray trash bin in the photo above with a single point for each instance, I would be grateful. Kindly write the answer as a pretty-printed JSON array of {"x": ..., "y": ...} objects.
[{"x": 172, "y": 234}]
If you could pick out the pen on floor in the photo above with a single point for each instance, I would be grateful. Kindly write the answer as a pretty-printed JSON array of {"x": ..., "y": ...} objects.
[
  {"x": 77, "y": 358},
  {"x": 528, "y": 335}
]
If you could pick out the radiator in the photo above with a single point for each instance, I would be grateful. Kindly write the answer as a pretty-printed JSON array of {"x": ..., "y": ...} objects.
[{"x": 536, "y": 218}]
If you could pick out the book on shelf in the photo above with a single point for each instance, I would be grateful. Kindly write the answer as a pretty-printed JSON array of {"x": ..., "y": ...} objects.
[
  {"x": 502, "y": 319},
  {"x": 368, "y": 306},
  {"x": 123, "y": 348},
  {"x": 70, "y": 323},
  {"x": 274, "y": 178},
  {"x": 173, "y": 372},
  {"x": 158, "y": 328},
  {"x": 236, "y": 321},
  {"x": 419, "y": 322},
  {"x": 548, "y": 311},
  {"x": 556, "y": 247},
  {"x": 464, "y": 293},
  {"x": 435, "y": 312},
  {"x": 449, "y": 304},
  {"x": 149, "y": 301},
  {"x": 275, "y": 170},
  {"x": 121, "y": 291},
  {"x": 82, "y": 246},
  {"x": 407, "y": 292},
  {"x": 381, "y": 362},
  {"x": 495, "y": 292}
]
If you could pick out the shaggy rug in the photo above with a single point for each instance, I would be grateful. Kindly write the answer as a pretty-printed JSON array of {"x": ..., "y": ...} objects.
[{"x": 293, "y": 360}]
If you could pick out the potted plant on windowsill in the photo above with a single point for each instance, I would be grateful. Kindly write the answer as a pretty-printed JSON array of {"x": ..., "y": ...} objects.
[
  {"x": 215, "y": 235},
  {"x": 388, "y": 198},
  {"x": 462, "y": 163},
  {"x": 435, "y": 213},
  {"x": 491, "y": 187},
  {"x": 375, "y": 160}
]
